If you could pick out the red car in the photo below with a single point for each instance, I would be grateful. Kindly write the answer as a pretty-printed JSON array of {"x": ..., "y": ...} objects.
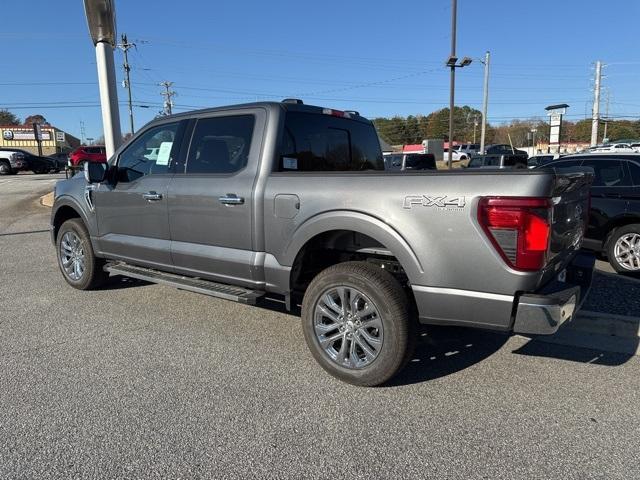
[{"x": 93, "y": 153}]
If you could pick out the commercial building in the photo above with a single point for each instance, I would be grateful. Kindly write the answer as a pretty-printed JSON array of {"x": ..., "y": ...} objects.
[{"x": 52, "y": 139}]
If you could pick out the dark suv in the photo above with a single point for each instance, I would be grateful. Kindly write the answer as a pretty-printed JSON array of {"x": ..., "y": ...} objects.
[
  {"x": 410, "y": 161},
  {"x": 614, "y": 221},
  {"x": 503, "y": 149}
]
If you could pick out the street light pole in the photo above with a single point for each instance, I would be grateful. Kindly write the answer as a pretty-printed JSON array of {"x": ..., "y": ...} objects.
[
  {"x": 101, "y": 19},
  {"x": 452, "y": 81}
]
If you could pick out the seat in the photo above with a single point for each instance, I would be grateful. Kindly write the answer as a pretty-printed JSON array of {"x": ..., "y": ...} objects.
[{"x": 213, "y": 157}]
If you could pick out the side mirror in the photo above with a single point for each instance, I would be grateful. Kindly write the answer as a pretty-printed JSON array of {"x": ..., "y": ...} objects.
[{"x": 95, "y": 172}]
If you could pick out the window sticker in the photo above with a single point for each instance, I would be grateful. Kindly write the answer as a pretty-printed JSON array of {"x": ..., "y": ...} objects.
[
  {"x": 290, "y": 163},
  {"x": 163, "y": 153}
]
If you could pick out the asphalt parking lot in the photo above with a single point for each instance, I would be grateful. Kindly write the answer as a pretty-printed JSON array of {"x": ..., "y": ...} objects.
[{"x": 145, "y": 381}]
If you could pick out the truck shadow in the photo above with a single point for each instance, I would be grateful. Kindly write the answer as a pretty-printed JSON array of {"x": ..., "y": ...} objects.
[{"x": 442, "y": 351}]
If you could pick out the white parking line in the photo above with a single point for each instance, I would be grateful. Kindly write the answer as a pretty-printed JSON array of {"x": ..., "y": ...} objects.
[{"x": 5, "y": 181}]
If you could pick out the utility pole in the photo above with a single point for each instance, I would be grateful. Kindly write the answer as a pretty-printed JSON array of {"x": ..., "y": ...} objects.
[
  {"x": 595, "y": 117},
  {"x": 606, "y": 117},
  {"x": 452, "y": 82},
  {"x": 125, "y": 46},
  {"x": 167, "y": 94},
  {"x": 475, "y": 126},
  {"x": 485, "y": 100}
]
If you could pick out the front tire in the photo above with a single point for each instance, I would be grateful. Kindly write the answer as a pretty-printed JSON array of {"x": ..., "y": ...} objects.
[
  {"x": 623, "y": 249},
  {"x": 78, "y": 264},
  {"x": 5, "y": 168},
  {"x": 356, "y": 321}
]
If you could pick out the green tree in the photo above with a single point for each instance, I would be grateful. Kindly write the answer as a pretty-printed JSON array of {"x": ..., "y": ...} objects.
[{"x": 8, "y": 118}]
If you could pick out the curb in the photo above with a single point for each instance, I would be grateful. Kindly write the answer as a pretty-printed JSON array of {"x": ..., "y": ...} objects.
[{"x": 47, "y": 200}]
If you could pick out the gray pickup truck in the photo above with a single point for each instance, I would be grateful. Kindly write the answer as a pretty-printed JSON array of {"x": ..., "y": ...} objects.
[{"x": 290, "y": 201}]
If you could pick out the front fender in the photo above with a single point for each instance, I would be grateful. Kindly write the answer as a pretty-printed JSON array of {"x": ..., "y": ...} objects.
[
  {"x": 68, "y": 201},
  {"x": 357, "y": 222}
]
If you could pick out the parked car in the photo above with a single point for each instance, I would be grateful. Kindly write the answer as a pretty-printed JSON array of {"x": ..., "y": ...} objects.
[
  {"x": 614, "y": 220},
  {"x": 468, "y": 149},
  {"x": 497, "y": 161},
  {"x": 410, "y": 161},
  {"x": 61, "y": 160},
  {"x": 541, "y": 159},
  {"x": 291, "y": 201},
  {"x": 456, "y": 156},
  {"x": 503, "y": 149},
  {"x": 93, "y": 153},
  {"x": 611, "y": 148},
  {"x": 11, "y": 162},
  {"x": 34, "y": 163}
]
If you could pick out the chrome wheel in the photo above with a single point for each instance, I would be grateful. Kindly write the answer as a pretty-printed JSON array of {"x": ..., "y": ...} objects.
[
  {"x": 348, "y": 327},
  {"x": 72, "y": 256},
  {"x": 627, "y": 251}
]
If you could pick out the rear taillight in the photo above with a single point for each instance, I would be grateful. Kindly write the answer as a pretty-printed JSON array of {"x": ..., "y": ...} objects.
[{"x": 519, "y": 228}]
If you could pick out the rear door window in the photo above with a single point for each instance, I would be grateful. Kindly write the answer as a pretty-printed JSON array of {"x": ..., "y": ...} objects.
[
  {"x": 323, "y": 143},
  {"x": 220, "y": 145},
  {"x": 609, "y": 173}
]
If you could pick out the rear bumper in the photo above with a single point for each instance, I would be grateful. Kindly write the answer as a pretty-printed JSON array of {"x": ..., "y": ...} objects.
[
  {"x": 542, "y": 313},
  {"x": 538, "y": 313}
]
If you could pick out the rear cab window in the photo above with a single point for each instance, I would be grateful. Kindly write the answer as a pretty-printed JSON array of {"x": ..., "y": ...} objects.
[{"x": 313, "y": 142}]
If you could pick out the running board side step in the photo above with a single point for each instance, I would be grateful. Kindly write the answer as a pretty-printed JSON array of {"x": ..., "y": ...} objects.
[{"x": 191, "y": 284}]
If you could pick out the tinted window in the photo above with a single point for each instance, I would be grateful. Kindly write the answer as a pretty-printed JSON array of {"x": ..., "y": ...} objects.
[
  {"x": 220, "y": 144},
  {"x": 136, "y": 161},
  {"x": 609, "y": 173},
  {"x": 314, "y": 142},
  {"x": 635, "y": 172},
  {"x": 475, "y": 162},
  {"x": 393, "y": 162},
  {"x": 420, "y": 162}
]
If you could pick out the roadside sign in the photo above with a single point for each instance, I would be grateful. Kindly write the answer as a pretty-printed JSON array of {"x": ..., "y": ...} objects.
[{"x": 60, "y": 137}]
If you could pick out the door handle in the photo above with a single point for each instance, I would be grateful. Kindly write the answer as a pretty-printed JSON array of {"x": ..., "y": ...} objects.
[
  {"x": 152, "y": 196},
  {"x": 231, "y": 199}
]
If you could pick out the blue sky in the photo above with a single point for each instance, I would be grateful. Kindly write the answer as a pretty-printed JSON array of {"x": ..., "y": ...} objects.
[{"x": 380, "y": 58}]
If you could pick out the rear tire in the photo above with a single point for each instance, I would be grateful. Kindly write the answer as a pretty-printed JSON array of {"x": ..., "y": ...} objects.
[
  {"x": 357, "y": 322},
  {"x": 5, "y": 168},
  {"x": 78, "y": 264},
  {"x": 623, "y": 249}
]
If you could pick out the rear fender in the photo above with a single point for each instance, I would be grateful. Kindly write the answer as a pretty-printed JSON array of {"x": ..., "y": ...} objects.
[{"x": 356, "y": 222}]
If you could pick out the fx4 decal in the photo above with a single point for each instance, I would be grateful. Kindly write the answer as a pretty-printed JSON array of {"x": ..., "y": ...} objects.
[{"x": 442, "y": 201}]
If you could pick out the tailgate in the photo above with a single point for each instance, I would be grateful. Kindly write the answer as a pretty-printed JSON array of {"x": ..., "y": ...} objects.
[{"x": 570, "y": 216}]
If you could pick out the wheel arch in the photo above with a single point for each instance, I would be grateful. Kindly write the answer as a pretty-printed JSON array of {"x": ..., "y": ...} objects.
[
  {"x": 66, "y": 209},
  {"x": 330, "y": 230}
]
